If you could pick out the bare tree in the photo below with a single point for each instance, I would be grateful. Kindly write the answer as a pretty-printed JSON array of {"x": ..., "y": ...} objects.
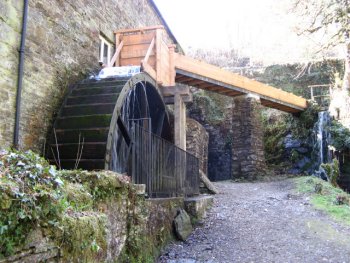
[{"x": 331, "y": 17}]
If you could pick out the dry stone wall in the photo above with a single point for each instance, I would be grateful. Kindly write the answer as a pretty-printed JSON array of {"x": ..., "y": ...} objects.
[
  {"x": 247, "y": 144},
  {"x": 62, "y": 46},
  {"x": 235, "y": 147},
  {"x": 197, "y": 142}
]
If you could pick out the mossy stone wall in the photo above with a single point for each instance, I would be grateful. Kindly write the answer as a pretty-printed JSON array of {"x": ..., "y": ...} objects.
[{"x": 107, "y": 219}]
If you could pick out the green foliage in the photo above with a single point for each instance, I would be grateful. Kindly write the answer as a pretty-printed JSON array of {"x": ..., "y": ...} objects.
[
  {"x": 30, "y": 194},
  {"x": 275, "y": 130},
  {"x": 328, "y": 199},
  {"x": 332, "y": 171},
  {"x": 297, "y": 77},
  {"x": 340, "y": 136},
  {"x": 301, "y": 126},
  {"x": 209, "y": 105}
]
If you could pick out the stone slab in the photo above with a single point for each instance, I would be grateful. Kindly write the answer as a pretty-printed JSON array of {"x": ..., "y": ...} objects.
[{"x": 197, "y": 206}]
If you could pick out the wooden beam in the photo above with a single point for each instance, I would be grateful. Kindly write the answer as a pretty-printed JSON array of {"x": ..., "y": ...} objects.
[
  {"x": 171, "y": 99},
  {"x": 117, "y": 43},
  {"x": 172, "y": 73},
  {"x": 158, "y": 55},
  {"x": 171, "y": 91},
  {"x": 116, "y": 55},
  {"x": 148, "y": 69},
  {"x": 139, "y": 30},
  {"x": 149, "y": 51},
  {"x": 237, "y": 82}
]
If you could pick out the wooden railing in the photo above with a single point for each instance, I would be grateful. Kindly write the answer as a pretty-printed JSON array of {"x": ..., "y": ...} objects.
[{"x": 146, "y": 47}]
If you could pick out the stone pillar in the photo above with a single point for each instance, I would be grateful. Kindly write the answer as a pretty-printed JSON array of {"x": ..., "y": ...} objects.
[{"x": 248, "y": 159}]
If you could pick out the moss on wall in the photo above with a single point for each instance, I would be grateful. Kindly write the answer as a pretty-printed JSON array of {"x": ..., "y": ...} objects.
[{"x": 77, "y": 216}]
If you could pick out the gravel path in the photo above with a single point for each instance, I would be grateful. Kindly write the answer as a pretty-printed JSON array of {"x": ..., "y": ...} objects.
[{"x": 262, "y": 222}]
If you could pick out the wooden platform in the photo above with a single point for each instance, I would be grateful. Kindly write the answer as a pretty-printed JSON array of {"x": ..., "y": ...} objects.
[{"x": 147, "y": 48}]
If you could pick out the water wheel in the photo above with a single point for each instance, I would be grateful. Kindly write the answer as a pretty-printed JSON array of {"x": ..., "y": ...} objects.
[{"x": 93, "y": 122}]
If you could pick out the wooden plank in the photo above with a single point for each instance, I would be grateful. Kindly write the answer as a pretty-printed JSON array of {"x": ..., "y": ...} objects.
[
  {"x": 172, "y": 72},
  {"x": 137, "y": 39},
  {"x": 149, "y": 51},
  {"x": 148, "y": 69},
  {"x": 117, "y": 42},
  {"x": 242, "y": 83},
  {"x": 158, "y": 54},
  {"x": 180, "y": 78},
  {"x": 165, "y": 64},
  {"x": 134, "y": 53},
  {"x": 116, "y": 55},
  {"x": 170, "y": 91},
  {"x": 138, "y": 30},
  {"x": 194, "y": 82},
  {"x": 136, "y": 61}
]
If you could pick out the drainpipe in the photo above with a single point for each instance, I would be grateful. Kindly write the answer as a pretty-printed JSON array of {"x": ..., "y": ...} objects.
[{"x": 20, "y": 73}]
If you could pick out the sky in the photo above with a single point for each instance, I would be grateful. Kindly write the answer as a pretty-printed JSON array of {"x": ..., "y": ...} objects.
[{"x": 262, "y": 29}]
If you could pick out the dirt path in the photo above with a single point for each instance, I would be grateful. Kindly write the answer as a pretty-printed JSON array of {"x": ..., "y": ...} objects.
[{"x": 262, "y": 222}]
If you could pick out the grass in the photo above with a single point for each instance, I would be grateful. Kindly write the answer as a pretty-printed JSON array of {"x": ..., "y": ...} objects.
[{"x": 327, "y": 199}]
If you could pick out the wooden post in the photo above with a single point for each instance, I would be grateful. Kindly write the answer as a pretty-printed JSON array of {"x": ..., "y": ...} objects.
[
  {"x": 117, "y": 42},
  {"x": 172, "y": 72},
  {"x": 158, "y": 55},
  {"x": 180, "y": 122}
]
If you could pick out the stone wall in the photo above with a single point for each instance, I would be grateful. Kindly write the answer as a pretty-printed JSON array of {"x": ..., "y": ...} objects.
[
  {"x": 197, "y": 142},
  {"x": 111, "y": 221},
  {"x": 10, "y": 28},
  {"x": 235, "y": 140},
  {"x": 247, "y": 144},
  {"x": 62, "y": 47},
  {"x": 218, "y": 125}
]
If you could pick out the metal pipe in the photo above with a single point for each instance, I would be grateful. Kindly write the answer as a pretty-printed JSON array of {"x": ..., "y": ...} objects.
[{"x": 20, "y": 73}]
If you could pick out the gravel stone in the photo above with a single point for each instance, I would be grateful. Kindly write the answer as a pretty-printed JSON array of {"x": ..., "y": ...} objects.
[{"x": 262, "y": 222}]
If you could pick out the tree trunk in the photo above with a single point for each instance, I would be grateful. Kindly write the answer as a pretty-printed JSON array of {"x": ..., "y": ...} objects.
[{"x": 346, "y": 82}]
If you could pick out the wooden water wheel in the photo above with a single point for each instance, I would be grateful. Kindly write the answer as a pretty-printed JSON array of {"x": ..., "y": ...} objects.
[{"x": 88, "y": 125}]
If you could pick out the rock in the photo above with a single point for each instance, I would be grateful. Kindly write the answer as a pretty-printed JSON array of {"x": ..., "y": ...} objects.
[
  {"x": 289, "y": 142},
  {"x": 301, "y": 164},
  {"x": 294, "y": 171},
  {"x": 182, "y": 225},
  {"x": 302, "y": 150}
]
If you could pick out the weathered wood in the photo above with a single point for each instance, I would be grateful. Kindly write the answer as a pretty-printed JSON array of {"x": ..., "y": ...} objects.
[
  {"x": 158, "y": 55},
  {"x": 241, "y": 83},
  {"x": 116, "y": 54},
  {"x": 137, "y": 39},
  {"x": 170, "y": 91},
  {"x": 148, "y": 69},
  {"x": 171, "y": 99},
  {"x": 172, "y": 73},
  {"x": 117, "y": 42},
  {"x": 149, "y": 51},
  {"x": 180, "y": 122},
  {"x": 139, "y": 30},
  {"x": 136, "y": 61},
  {"x": 167, "y": 67}
]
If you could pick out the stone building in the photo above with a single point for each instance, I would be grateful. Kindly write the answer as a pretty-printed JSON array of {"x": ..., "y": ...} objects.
[{"x": 65, "y": 41}]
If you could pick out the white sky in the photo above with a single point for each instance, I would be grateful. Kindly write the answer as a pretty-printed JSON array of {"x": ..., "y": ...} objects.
[{"x": 261, "y": 29}]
